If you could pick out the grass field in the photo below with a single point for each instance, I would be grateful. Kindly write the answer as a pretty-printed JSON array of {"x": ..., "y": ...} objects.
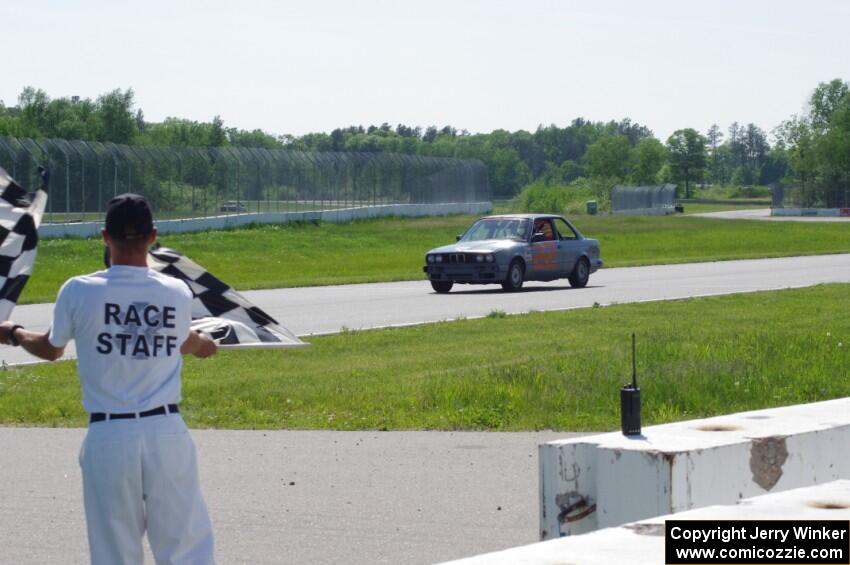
[
  {"x": 558, "y": 370},
  {"x": 392, "y": 249},
  {"x": 629, "y": 241}
]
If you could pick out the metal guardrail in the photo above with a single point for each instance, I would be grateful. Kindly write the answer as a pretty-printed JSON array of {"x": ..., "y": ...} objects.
[{"x": 183, "y": 182}]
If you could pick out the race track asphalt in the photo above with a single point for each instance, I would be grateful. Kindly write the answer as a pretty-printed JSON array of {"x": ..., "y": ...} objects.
[
  {"x": 329, "y": 309},
  {"x": 764, "y": 214}
]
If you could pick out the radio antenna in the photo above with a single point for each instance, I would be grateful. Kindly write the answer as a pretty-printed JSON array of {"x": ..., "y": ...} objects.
[{"x": 634, "y": 363}]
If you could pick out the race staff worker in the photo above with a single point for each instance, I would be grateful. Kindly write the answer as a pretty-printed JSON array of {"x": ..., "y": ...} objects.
[{"x": 131, "y": 327}]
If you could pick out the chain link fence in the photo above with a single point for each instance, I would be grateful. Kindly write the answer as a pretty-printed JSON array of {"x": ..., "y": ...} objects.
[
  {"x": 186, "y": 182},
  {"x": 643, "y": 200},
  {"x": 810, "y": 197}
]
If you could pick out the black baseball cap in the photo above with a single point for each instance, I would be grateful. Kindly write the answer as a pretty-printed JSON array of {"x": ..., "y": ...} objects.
[{"x": 129, "y": 216}]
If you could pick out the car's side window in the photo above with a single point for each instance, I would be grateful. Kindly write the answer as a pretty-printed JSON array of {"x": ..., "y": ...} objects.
[
  {"x": 544, "y": 227},
  {"x": 564, "y": 229}
]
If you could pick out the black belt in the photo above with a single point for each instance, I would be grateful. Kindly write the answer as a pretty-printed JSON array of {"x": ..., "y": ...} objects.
[{"x": 101, "y": 416}]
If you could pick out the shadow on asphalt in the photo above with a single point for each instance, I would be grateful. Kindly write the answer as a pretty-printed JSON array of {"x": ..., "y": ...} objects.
[{"x": 521, "y": 291}]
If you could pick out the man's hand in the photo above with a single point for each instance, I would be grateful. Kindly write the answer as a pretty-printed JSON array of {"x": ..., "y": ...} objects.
[
  {"x": 199, "y": 344},
  {"x": 45, "y": 177},
  {"x": 6, "y": 332},
  {"x": 37, "y": 344}
]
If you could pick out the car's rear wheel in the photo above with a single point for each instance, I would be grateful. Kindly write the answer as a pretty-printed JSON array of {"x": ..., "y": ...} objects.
[
  {"x": 580, "y": 274},
  {"x": 516, "y": 274},
  {"x": 442, "y": 286}
]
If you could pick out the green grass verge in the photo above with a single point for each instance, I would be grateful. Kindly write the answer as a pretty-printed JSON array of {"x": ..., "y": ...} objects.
[
  {"x": 702, "y": 208},
  {"x": 558, "y": 370},
  {"x": 393, "y": 249},
  {"x": 633, "y": 240}
]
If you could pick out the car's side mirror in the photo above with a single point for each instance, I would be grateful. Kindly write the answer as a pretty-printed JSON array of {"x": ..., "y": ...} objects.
[
  {"x": 457, "y": 237},
  {"x": 539, "y": 236}
]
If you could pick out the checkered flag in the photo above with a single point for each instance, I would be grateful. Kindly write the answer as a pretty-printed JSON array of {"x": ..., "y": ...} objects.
[
  {"x": 20, "y": 215},
  {"x": 220, "y": 311}
]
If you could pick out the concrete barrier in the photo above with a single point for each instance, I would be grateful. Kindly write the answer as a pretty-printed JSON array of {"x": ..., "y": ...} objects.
[
  {"x": 766, "y": 202},
  {"x": 827, "y": 212},
  {"x": 666, "y": 211},
  {"x": 642, "y": 543},
  {"x": 92, "y": 229},
  {"x": 609, "y": 479}
]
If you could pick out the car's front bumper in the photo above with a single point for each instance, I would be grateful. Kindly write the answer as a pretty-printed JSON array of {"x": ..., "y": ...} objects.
[
  {"x": 596, "y": 264},
  {"x": 465, "y": 273}
]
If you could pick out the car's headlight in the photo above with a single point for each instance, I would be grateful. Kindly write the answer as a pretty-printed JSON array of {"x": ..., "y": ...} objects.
[
  {"x": 438, "y": 258},
  {"x": 429, "y": 258},
  {"x": 479, "y": 258},
  {"x": 490, "y": 258}
]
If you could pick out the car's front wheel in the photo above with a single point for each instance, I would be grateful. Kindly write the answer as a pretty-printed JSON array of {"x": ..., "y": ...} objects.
[
  {"x": 442, "y": 286},
  {"x": 516, "y": 274},
  {"x": 580, "y": 274}
]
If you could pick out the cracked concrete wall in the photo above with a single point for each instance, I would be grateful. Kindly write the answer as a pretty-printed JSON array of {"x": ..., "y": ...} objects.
[
  {"x": 570, "y": 473},
  {"x": 767, "y": 456},
  {"x": 685, "y": 465}
]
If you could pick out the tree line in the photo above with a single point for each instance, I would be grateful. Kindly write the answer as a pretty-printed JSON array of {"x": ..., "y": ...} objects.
[{"x": 810, "y": 150}]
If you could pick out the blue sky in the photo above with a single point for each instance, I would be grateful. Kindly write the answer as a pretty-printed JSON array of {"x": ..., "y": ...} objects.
[{"x": 296, "y": 67}]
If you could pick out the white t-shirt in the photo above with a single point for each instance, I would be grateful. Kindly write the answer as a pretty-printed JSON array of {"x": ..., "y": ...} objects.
[{"x": 129, "y": 324}]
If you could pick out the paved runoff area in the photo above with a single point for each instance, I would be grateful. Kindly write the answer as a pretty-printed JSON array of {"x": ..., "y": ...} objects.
[
  {"x": 295, "y": 497},
  {"x": 329, "y": 309},
  {"x": 764, "y": 214}
]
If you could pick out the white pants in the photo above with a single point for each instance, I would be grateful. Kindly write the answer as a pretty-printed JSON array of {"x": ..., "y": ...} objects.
[{"x": 138, "y": 475}]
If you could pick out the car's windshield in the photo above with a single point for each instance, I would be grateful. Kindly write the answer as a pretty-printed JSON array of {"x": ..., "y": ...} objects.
[{"x": 497, "y": 228}]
